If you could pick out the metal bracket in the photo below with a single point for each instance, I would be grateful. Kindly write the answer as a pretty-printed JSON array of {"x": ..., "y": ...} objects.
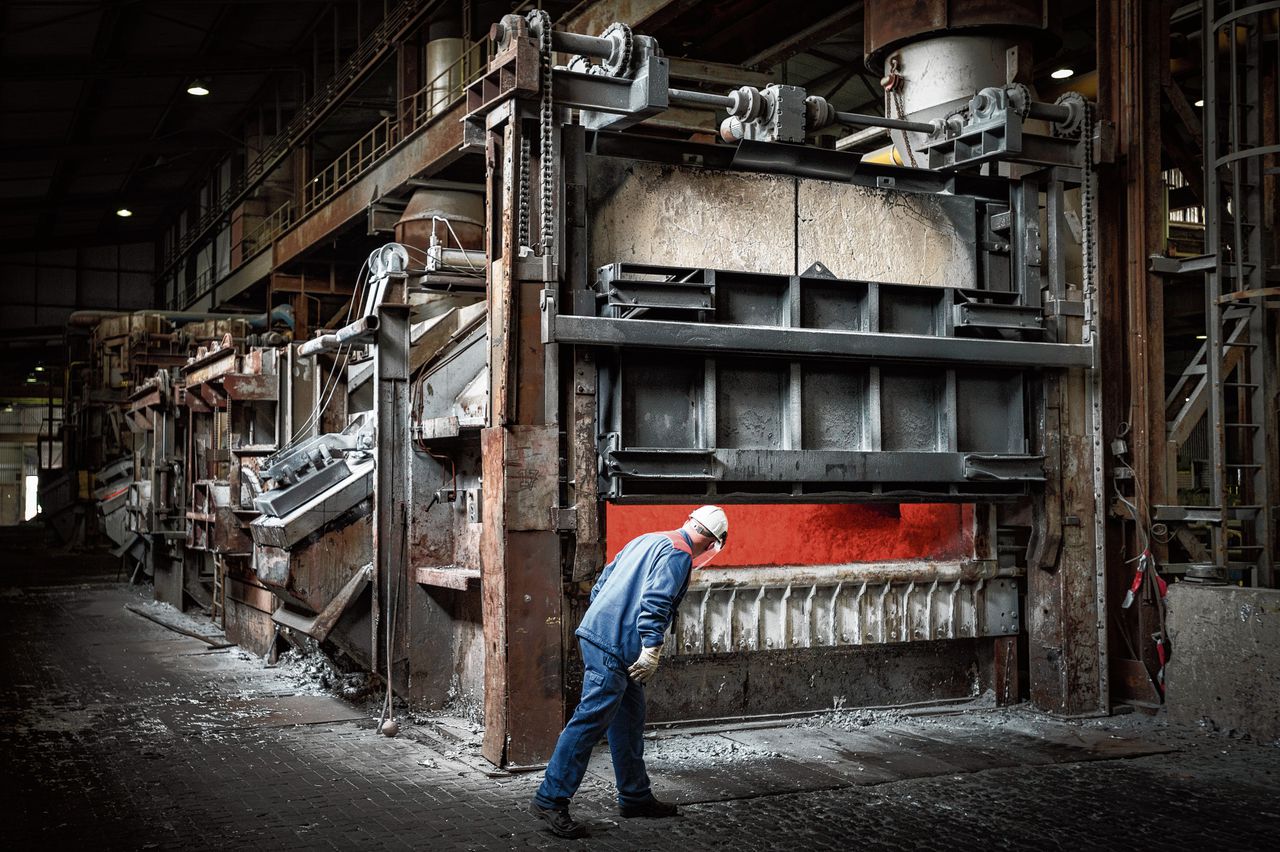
[
  {"x": 564, "y": 518},
  {"x": 535, "y": 268},
  {"x": 615, "y": 103},
  {"x": 993, "y": 131},
  {"x": 1004, "y": 468},
  {"x": 1064, "y": 308},
  {"x": 817, "y": 270},
  {"x": 547, "y": 306},
  {"x": 995, "y": 316}
]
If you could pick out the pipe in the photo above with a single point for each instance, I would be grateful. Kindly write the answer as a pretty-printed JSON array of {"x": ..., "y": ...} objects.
[
  {"x": 257, "y": 322},
  {"x": 352, "y": 333},
  {"x": 687, "y": 98},
  {"x": 89, "y": 319},
  {"x": 854, "y": 119},
  {"x": 1048, "y": 112},
  {"x": 439, "y": 258},
  {"x": 600, "y": 48},
  {"x": 280, "y": 313}
]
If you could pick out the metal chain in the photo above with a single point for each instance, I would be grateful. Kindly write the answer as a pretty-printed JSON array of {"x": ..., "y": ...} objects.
[
  {"x": 1086, "y": 205},
  {"x": 894, "y": 86},
  {"x": 546, "y": 161},
  {"x": 523, "y": 233},
  {"x": 902, "y": 113}
]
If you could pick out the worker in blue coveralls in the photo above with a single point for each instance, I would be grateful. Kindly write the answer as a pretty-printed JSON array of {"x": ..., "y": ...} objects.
[{"x": 621, "y": 637}]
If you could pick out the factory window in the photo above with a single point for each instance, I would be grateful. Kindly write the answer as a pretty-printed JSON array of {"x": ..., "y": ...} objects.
[{"x": 30, "y": 505}]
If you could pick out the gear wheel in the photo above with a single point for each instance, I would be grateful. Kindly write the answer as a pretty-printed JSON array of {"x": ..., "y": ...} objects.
[
  {"x": 1020, "y": 100},
  {"x": 1075, "y": 102},
  {"x": 619, "y": 62},
  {"x": 539, "y": 23}
]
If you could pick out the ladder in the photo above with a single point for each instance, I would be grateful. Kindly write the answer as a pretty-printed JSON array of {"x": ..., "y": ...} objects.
[{"x": 1240, "y": 291}]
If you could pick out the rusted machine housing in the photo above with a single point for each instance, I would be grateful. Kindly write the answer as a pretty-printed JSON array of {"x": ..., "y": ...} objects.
[
  {"x": 192, "y": 425},
  {"x": 672, "y": 323},
  {"x": 157, "y": 494},
  {"x": 233, "y": 410},
  {"x": 890, "y": 24}
]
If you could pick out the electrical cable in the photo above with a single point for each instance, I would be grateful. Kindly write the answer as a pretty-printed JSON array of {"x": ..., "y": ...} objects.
[
  {"x": 343, "y": 354},
  {"x": 1148, "y": 566},
  {"x": 453, "y": 234}
]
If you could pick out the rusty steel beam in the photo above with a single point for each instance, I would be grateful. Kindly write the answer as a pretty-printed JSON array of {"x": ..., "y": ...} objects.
[
  {"x": 592, "y": 18},
  {"x": 422, "y": 154},
  {"x": 1132, "y": 60}
]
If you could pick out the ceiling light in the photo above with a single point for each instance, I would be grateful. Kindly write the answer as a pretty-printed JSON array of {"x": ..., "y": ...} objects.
[
  {"x": 198, "y": 88},
  {"x": 1062, "y": 73},
  {"x": 1200, "y": 102},
  {"x": 124, "y": 212},
  {"x": 1202, "y": 337}
]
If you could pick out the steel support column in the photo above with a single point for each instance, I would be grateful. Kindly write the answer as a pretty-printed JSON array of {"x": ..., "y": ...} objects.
[
  {"x": 1132, "y": 51},
  {"x": 521, "y": 587}
]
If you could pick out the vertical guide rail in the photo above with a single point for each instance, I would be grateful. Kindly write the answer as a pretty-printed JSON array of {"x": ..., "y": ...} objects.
[
  {"x": 391, "y": 407},
  {"x": 1237, "y": 143}
]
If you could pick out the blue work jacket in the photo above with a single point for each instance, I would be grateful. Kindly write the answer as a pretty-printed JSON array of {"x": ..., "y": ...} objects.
[{"x": 637, "y": 595}]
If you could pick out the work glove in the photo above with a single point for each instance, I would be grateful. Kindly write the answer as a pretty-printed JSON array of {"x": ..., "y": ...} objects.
[{"x": 646, "y": 666}]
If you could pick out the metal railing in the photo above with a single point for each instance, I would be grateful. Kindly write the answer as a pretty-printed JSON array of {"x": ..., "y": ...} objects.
[
  {"x": 260, "y": 237},
  {"x": 196, "y": 287},
  {"x": 283, "y": 143},
  {"x": 437, "y": 96},
  {"x": 447, "y": 87},
  {"x": 264, "y": 233},
  {"x": 349, "y": 165}
]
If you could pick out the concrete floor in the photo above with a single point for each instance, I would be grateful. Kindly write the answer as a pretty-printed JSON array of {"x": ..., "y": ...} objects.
[{"x": 118, "y": 733}]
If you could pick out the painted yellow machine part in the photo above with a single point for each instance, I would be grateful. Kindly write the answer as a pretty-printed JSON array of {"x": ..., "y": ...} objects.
[{"x": 888, "y": 155}]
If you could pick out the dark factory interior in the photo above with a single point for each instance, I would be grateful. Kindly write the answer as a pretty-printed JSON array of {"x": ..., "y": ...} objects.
[{"x": 381, "y": 381}]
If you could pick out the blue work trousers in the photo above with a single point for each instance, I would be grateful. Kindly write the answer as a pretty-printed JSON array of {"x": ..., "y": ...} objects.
[{"x": 611, "y": 703}]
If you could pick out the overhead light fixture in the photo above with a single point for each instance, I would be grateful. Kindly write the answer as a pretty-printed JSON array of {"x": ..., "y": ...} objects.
[
  {"x": 124, "y": 212},
  {"x": 1062, "y": 73},
  {"x": 198, "y": 88},
  {"x": 1200, "y": 102},
  {"x": 1202, "y": 337}
]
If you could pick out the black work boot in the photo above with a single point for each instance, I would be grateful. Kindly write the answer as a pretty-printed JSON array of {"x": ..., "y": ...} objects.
[
  {"x": 652, "y": 808},
  {"x": 559, "y": 821}
]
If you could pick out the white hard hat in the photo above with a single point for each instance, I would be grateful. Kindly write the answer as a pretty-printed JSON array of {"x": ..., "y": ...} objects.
[{"x": 713, "y": 520}]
